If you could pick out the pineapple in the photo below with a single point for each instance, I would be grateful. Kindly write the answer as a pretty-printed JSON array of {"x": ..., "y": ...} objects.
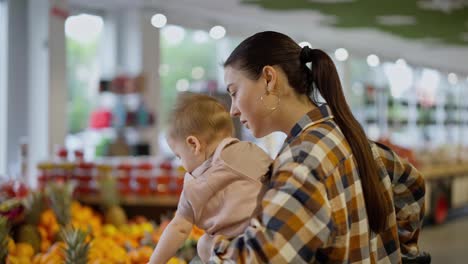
[
  {"x": 60, "y": 195},
  {"x": 76, "y": 248},
  {"x": 4, "y": 239},
  {"x": 29, "y": 233},
  {"x": 114, "y": 214}
]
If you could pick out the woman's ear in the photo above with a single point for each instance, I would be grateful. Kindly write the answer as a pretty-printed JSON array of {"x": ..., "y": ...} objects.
[
  {"x": 194, "y": 144},
  {"x": 270, "y": 74}
]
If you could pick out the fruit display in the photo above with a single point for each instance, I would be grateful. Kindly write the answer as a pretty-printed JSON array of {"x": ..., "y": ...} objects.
[
  {"x": 11, "y": 195},
  {"x": 57, "y": 229}
]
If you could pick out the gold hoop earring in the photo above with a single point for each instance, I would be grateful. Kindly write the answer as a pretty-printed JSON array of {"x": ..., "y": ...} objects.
[{"x": 270, "y": 108}]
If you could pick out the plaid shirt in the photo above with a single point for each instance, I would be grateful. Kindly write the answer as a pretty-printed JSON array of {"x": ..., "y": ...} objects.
[{"x": 313, "y": 210}]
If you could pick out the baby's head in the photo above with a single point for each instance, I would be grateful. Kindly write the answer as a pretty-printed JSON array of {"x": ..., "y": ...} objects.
[{"x": 196, "y": 125}]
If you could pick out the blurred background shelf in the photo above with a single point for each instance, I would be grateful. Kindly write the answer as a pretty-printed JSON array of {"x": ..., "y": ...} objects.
[
  {"x": 135, "y": 200},
  {"x": 435, "y": 172}
]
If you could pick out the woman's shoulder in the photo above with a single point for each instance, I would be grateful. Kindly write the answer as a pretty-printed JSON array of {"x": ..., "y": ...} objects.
[
  {"x": 320, "y": 149},
  {"x": 322, "y": 139}
]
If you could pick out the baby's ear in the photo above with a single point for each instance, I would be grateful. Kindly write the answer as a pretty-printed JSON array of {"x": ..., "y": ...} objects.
[{"x": 194, "y": 144}]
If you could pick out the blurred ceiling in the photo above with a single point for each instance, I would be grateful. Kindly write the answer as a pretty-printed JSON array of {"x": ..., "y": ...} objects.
[
  {"x": 443, "y": 21},
  {"x": 430, "y": 33}
]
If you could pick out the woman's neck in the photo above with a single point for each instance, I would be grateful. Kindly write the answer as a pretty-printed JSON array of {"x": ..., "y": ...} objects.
[{"x": 292, "y": 111}]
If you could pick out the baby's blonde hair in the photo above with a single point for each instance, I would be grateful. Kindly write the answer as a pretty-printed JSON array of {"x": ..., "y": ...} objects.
[{"x": 199, "y": 115}]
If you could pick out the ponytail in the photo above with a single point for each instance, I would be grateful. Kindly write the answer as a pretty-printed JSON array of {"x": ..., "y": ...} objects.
[{"x": 326, "y": 79}]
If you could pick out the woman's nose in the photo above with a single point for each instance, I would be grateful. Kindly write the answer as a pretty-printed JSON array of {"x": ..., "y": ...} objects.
[{"x": 234, "y": 111}]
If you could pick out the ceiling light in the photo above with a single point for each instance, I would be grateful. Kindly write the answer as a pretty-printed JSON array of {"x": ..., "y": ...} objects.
[
  {"x": 182, "y": 85},
  {"x": 373, "y": 60},
  {"x": 83, "y": 28},
  {"x": 341, "y": 54},
  {"x": 401, "y": 62},
  {"x": 173, "y": 34},
  {"x": 452, "y": 78},
  {"x": 400, "y": 77},
  {"x": 217, "y": 32},
  {"x": 158, "y": 20}
]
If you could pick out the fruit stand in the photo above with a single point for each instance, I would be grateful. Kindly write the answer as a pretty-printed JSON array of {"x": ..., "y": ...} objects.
[
  {"x": 51, "y": 226},
  {"x": 440, "y": 182}
]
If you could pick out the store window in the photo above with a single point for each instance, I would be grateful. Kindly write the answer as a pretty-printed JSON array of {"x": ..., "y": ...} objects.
[
  {"x": 190, "y": 61},
  {"x": 83, "y": 34},
  {"x": 3, "y": 84}
]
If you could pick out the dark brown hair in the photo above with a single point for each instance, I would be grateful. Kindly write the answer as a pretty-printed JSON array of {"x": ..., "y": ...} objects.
[
  {"x": 199, "y": 115},
  {"x": 276, "y": 49}
]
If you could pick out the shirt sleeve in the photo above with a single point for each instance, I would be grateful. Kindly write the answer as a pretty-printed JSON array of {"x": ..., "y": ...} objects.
[
  {"x": 295, "y": 221},
  {"x": 408, "y": 196},
  {"x": 184, "y": 208}
]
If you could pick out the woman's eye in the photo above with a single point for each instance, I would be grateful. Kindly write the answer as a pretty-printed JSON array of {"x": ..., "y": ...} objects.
[{"x": 233, "y": 94}]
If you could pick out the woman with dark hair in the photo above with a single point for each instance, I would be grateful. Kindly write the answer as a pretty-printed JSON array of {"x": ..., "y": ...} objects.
[{"x": 333, "y": 195}]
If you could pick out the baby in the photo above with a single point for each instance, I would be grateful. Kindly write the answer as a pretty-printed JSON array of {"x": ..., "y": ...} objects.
[{"x": 222, "y": 186}]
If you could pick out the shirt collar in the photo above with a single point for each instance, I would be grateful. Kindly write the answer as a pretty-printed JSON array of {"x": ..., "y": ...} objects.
[
  {"x": 202, "y": 168},
  {"x": 209, "y": 162},
  {"x": 317, "y": 115}
]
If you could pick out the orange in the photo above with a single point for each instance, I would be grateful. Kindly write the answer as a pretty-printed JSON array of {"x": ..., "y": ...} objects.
[
  {"x": 48, "y": 218},
  {"x": 175, "y": 260},
  {"x": 24, "y": 260},
  {"x": 145, "y": 253},
  {"x": 11, "y": 247},
  {"x": 196, "y": 232},
  {"x": 12, "y": 260},
  {"x": 54, "y": 228},
  {"x": 24, "y": 250},
  {"x": 134, "y": 256},
  {"x": 45, "y": 245},
  {"x": 75, "y": 207}
]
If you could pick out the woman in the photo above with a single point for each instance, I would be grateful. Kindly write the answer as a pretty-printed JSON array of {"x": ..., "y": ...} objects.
[{"x": 333, "y": 195}]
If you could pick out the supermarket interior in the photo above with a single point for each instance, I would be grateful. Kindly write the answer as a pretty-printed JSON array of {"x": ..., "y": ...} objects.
[{"x": 87, "y": 88}]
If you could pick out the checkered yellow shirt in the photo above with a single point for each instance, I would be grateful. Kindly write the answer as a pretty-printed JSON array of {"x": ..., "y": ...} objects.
[{"x": 314, "y": 211}]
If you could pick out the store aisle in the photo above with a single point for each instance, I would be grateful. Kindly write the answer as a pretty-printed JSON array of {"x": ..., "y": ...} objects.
[{"x": 447, "y": 243}]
